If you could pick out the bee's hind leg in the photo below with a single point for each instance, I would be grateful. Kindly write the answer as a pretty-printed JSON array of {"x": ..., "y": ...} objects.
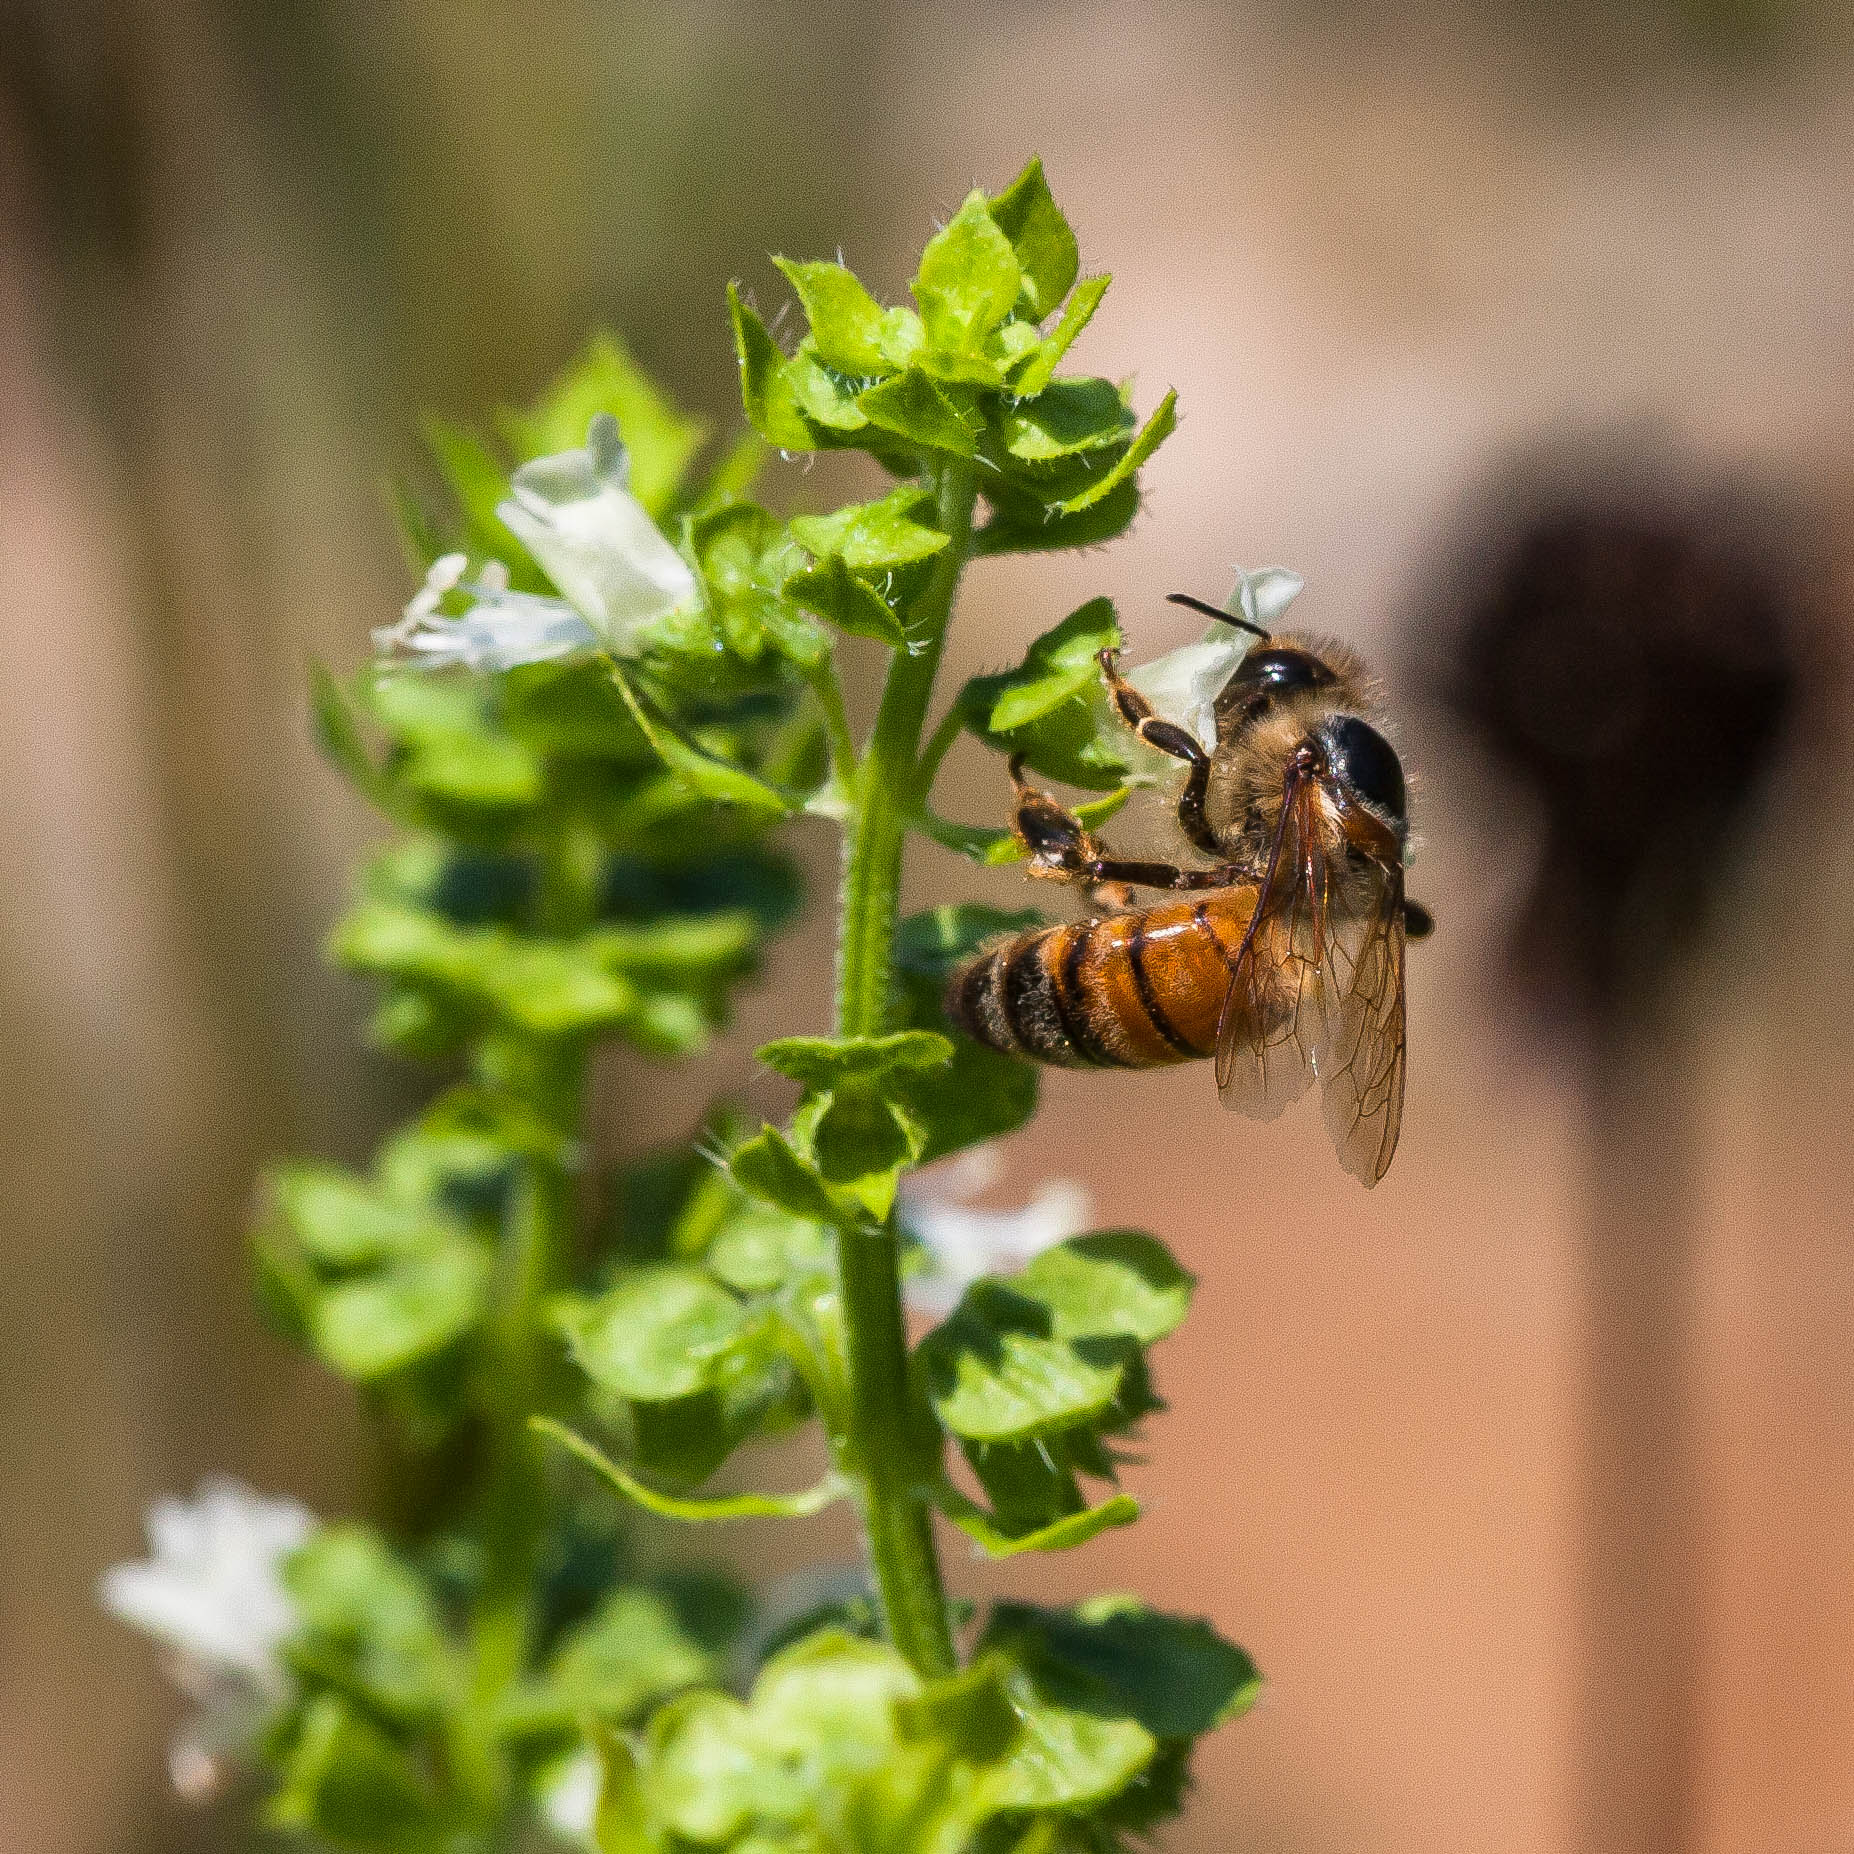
[
  {"x": 1059, "y": 843},
  {"x": 1139, "y": 714},
  {"x": 1062, "y": 849}
]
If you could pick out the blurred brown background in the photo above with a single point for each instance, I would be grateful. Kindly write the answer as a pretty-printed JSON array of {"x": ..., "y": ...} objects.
[{"x": 243, "y": 246}]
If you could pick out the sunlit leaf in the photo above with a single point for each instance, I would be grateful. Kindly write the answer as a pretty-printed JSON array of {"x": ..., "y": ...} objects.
[
  {"x": 1075, "y": 317},
  {"x": 967, "y": 282},
  {"x": 1040, "y": 237},
  {"x": 916, "y": 410},
  {"x": 765, "y": 390},
  {"x": 1110, "y": 1282},
  {"x": 1151, "y": 435},
  {"x": 874, "y": 535},
  {"x": 1061, "y": 1534},
  {"x": 826, "y": 1062},
  {"x": 846, "y": 321},
  {"x": 658, "y": 1334},
  {"x": 997, "y": 1373}
]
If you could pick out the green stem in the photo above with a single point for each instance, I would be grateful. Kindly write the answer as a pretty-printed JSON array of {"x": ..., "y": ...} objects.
[
  {"x": 891, "y": 1463},
  {"x": 952, "y": 725},
  {"x": 836, "y": 723},
  {"x": 537, "y": 1235},
  {"x": 512, "y": 1507},
  {"x": 537, "y": 1229}
]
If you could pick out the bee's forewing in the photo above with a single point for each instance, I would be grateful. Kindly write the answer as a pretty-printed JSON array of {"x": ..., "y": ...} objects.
[{"x": 1359, "y": 1056}]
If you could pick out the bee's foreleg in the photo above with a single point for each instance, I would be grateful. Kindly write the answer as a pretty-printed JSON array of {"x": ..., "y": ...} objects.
[{"x": 1139, "y": 714}]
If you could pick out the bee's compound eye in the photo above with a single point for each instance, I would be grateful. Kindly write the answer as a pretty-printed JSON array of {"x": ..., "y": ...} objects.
[
  {"x": 1367, "y": 762},
  {"x": 1278, "y": 669}
]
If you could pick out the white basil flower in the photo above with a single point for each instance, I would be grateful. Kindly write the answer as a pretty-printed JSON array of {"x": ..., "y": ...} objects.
[
  {"x": 963, "y": 1242},
  {"x": 212, "y": 1587},
  {"x": 1183, "y": 685},
  {"x": 497, "y": 631},
  {"x": 211, "y": 1591},
  {"x": 592, "y": 538},
  {"x": 575, "y": 514}
]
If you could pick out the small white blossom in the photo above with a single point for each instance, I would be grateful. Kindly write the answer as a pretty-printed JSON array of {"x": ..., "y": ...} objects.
[
  {"x": 590, "y": 536},
  {"x": 212, "y": 1588},
  {"x": 568, "y": 1796},
  {"x": 1183, "y": 685},
  {"x": 499, "y": 630},
  {"x": 963, "y": 1241},
  {"x": 212, "y": 1592},
  {"x": 1263, "y": 595},
  {"x": 594, "y": 539}
]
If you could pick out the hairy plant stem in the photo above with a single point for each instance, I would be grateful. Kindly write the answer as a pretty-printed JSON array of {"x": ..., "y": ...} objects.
[{"x": 891, "y": 1464}]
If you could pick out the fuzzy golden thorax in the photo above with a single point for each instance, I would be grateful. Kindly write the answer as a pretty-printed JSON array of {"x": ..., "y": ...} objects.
[{"x": 1256, "y": 748}]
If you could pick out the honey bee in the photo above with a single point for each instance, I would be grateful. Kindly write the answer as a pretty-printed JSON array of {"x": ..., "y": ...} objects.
[{"x": 1287, "y": 964}]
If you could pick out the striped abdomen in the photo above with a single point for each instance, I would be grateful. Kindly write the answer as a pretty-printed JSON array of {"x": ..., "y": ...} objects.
[{"x": 1128, "y": 991}]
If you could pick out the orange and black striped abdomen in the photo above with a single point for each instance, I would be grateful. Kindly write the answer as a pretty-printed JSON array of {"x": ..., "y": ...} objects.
[{"x": 1129, "y": 991}]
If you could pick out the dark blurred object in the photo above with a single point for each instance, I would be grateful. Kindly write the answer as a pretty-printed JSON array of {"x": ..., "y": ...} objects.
[
  {"x": 1632, "y": 656},
  {"x": 1632, "y": 651}
]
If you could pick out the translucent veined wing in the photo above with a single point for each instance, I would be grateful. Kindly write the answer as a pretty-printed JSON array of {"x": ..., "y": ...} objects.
[
  {"x": 1316, "y": 991},
  {"x": 1274, "y": 1014},
  {"x": 1360, "y": 1058}
]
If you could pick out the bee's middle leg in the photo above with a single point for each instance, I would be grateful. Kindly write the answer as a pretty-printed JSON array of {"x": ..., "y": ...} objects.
[{"x": 1139, "y": 714}]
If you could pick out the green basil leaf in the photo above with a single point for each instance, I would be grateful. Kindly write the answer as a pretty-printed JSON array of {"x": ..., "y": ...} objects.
[
  {"x": 698, "y": 769},
  {"x": 1061, "y": 1534},
  {"x": 1080, "y": 312},
  {"x": 822, "y": 1063},
  {"x": 371, "y": 1325},
  {"x": 766, "y": 391},
  {"x": 1065, "y": 420},
  {"x": 341, "y": 1221},
  {"x": 913, "y": 408},
  {"x": 847, "y": 323},
  {"x": 824, "y": 397},
  {"x": 1041, "y": 238},
  {"x": 369, "y": 1623},
  {"x": 350, "y": 1785},
  {"x": 996, "y": 1372},
  {"x": 1151, "y": 435},
  {"x": 1014, "y": 529},
  {"x": 1174, "y": 1674},
  {"x": 836, "y": 594},
  {"x": 1112, "y": 1282},
  {"x": 871, "y": 536},
  {"x": 801, "y": 1505},
  {"x": 660, "y": 442},
  {"x": 1058, "y": 666},
  {"x": 658, "y": 1334},
  {"x": 968, "y": 281},
  {"x": 769, "y": 1169}
]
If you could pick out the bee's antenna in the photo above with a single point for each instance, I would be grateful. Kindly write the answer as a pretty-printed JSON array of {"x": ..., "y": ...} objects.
[{"x": 1217, "y": 612}]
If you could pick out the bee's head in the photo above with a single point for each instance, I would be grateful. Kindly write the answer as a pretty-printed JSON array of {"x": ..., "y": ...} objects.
[
  {"x": 1361, "y": 771},
  {"x": 1269, "y": 672}
]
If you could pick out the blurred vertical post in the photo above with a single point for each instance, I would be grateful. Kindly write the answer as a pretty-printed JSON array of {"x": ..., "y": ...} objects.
[{"x": 1627, "y": 653}]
